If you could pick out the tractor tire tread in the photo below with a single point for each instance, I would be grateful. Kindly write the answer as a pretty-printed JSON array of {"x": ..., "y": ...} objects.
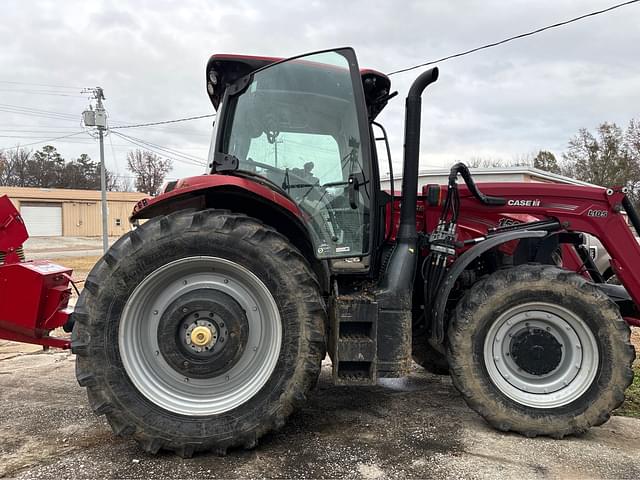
[{"x": 479, "y": 393}]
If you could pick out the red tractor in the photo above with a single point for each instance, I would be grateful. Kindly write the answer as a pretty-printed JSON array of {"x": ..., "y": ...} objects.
[{"x": 205, "y": 327}]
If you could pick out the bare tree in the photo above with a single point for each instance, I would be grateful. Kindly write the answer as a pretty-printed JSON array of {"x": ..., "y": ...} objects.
[
  {"x": 15, "y": 171},
  {"x": 486, "y": 162},
  {"x": 522, "y": 160},
  {"x": 149, "y": 169},
  {"x": 3, "y": 165}
]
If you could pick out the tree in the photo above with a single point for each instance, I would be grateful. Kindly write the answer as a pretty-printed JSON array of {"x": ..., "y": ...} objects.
[
  {"x": 14, "y": 173},
  {"x": 492, "y": 162},
  {"x": 149, "y": 169},
  {"x": 45, "y": 168},
  {"x": 486, "y": 162},
  {"x": 608, "y": 158},
  {"x": 3, "y": 165},
  {"x": 545, "y": 160},
  {"x": 632, "y": 139}
]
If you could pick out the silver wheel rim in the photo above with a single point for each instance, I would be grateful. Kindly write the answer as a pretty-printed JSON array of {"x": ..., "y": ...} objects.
[
  {"x": 172, "y": 390},
  {"x": 574, "y": 373}
]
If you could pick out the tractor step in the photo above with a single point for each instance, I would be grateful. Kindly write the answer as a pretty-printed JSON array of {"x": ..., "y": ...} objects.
[{"x": 354, "y": 341}]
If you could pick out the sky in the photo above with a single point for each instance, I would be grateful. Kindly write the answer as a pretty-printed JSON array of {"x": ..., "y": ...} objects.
[{"x": 149, "y": 56}]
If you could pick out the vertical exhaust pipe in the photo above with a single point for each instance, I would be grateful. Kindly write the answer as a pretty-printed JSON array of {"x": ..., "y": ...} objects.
[
  {"x": 397, "y": 280},
  {"x": 413, "y": 110},
  {"x": 394, "y": 294}
]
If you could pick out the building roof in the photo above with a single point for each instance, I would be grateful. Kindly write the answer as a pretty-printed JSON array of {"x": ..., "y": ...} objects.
[
  {"x": 69, "y": 195},
  {"x": 533, "y": 172}
]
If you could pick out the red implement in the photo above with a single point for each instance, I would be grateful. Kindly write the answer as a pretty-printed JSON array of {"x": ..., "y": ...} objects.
[{"x": 34, "y": 296}]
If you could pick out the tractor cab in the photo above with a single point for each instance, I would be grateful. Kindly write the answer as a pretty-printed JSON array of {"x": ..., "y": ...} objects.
[{"x": 302, "y": 127}]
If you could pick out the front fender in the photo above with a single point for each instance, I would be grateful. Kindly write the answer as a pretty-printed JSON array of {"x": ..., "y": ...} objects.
[
  {"x": 463, "y": 261},
  {"x": 191, "y": 190}
]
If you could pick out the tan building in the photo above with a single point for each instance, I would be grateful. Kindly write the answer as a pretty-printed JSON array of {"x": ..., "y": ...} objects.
[{"x": 71, "y": 213}]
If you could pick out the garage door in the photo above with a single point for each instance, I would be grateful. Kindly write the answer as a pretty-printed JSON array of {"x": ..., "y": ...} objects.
[{"x": 42, "y": 219}]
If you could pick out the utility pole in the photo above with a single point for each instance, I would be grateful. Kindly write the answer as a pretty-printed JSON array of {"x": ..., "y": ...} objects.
[
  {"x": 98, "y": 118},
  {"x": 275, "y": 144}
]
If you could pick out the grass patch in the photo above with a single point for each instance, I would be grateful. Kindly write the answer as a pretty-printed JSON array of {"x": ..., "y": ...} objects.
[
  {"x": 80, "y": 265},
  {"x": 631, "y": 405}
]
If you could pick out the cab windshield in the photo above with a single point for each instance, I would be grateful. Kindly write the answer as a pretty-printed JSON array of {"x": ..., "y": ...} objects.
[{"x": 296, "y": 125}]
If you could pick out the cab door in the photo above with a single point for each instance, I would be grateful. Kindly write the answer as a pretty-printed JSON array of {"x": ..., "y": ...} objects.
[{"x": 302, "y": 125}]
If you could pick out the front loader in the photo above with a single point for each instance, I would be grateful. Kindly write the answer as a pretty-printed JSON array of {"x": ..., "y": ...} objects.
[{"x": 204, "y": 327}]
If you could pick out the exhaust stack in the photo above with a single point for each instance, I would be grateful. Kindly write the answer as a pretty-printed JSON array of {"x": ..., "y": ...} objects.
[
  {"x": 413, "y": 110},
  {"x": 397, "y": 280}
]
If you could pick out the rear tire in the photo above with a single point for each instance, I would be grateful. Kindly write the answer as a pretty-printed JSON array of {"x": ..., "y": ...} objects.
[
  {"x": 540, "y": 351},
  {"x": 153, "y": 318}
]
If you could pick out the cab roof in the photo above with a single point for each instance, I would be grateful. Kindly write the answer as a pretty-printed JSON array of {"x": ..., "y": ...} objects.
[{"x": 229, "y": 67}]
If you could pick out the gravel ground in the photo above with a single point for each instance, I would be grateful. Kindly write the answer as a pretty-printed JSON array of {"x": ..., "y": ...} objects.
[
  {"x": 37, "y": 248},
  {"x": 416, "y": 427}
]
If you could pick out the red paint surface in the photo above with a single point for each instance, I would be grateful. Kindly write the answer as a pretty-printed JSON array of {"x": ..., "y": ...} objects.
[
  {"x": 13, "y": 233},
  {"x": 196, "y": 185},
  {"x": 33, "y": 295}
]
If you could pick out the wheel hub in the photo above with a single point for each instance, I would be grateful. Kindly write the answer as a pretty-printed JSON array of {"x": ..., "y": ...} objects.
[
  {"x": 536, "y": 351},
  {"x": 203, "y": 333}
]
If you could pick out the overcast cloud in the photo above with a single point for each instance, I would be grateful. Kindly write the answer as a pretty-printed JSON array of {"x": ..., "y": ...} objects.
[{"x": 150, "y": 55}]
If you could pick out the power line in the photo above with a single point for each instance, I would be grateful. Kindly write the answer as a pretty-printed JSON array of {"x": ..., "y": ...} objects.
[
  {"x": 516, "y": 37},
  {"x": 37, "y": 130},
  {"x": 40, "y": 85},
  {"x": 36, "y": 112},
  {"x": 167, "y": 121},
  {"x": 167, "y": 149},
  {"x": 162, "y": 151},
  {"x": 43, "y": 141},
  {"x": 39, "y": 110},
  {"x": 40, "y": 92},
  {"x": 24, "y": 136}
]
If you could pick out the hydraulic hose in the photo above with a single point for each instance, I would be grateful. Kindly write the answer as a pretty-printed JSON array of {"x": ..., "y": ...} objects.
[{"x": 463, "y": 170}]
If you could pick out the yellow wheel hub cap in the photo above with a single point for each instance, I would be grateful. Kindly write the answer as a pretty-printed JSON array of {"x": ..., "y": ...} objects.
[{"x": 201, "y": 336}]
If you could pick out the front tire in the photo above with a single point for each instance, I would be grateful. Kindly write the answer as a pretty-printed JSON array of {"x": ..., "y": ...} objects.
[
  {"x": 540, "y": 351},
  {"x": 199, "y": 331}
]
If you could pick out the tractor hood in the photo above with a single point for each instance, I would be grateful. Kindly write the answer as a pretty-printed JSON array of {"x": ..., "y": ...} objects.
[{"x": 224, "y": 69}]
